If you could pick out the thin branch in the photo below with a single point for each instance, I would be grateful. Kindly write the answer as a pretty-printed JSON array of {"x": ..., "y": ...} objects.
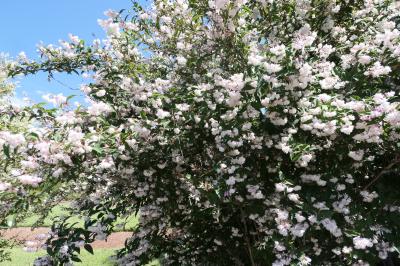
[
  {"x": 384, "y": 170},
  {"x": 65, "y": 85},
  {"x": 246, "y": 237}
]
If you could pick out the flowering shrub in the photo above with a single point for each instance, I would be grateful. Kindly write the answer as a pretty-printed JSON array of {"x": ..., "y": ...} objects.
[
  {"x": 242, "y": 132},
  {"x": 11, "y": 128}
]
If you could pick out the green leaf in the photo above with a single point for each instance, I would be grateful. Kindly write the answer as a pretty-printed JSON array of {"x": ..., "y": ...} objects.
[
  {"x": 39, "y": 105},
  {"x": 88, "y": 248},
  {"x": 6, "y": 150},
  {"x": 143, "y": 115},
  {"x": 97, "y": 149},
  {"x": 33, "y": 134},
  {"x": 76, "y": 259},
  {"x": 70, "y": 97}
]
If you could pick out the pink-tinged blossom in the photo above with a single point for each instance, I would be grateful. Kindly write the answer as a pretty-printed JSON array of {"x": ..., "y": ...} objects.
[
  {"x": 161, "y": 114},
  {"x": 369, "y": 196},
  {"x": 181, "y": 60},
  {"x": 304, "y": 37},
  {"x": 347, "y": 129},
  {"x": 100, "y": 93},
  {"x": 75, "y": 136},
  {"x": 332, "y": 227},
  {"x": 4, "y": 186},
  {"x": 31, "y": 180},
  {"x": 272, "y": 68},
  {"x": 362, "y": 242},
  {"x": 111, "y": 13},
  {"x": 378, "y": 70},
  {"x": 99, "y": 108},
  {"x": 11, "y": 139},
  {"x": 298, "y": 230},
  {"x": 393, "y": 118},
  {"x": 111, "y": 28},
  {"x": 356, "y": 155},
  {"x": 364, "y": 59}
]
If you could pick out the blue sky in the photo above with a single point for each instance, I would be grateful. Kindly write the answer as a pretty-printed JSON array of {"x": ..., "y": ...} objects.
[{"x": 24, "y": 23}]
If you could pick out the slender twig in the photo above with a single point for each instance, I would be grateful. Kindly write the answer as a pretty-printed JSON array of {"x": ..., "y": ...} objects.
[
  {"x": 246, "y": 237},
  {"x": 65, "y": 85},
  {"x": 384, "y": 170}
]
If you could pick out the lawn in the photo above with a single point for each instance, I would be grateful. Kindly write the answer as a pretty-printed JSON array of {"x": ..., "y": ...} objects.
[
  {"x": 101, "y": 257},
  {"x": 129, "y": 224},
  {"x": 19, "y": 257}
]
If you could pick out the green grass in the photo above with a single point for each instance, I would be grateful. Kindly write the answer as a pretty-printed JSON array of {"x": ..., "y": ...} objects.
[
  {"x": 131, "y": 222},
  {"x": 101, "y": 257},
  {"x": 19, "y": 257}
]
